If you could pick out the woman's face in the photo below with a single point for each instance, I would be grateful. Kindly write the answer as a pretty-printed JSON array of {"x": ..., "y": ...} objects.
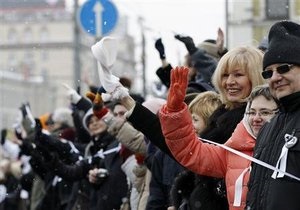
[
  {"x": 198, "y": 123},
  {"x": 119, "y": 111},
  {"x": 96, "y": 126},
  {"x": 261, "y": 111},
  {"x": 236, "y": 85}
]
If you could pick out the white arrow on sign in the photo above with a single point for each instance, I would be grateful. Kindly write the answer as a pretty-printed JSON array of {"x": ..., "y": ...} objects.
[{"x": 98, "y": 14}]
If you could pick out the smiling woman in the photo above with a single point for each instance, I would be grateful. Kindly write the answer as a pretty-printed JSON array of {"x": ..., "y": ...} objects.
[
  {"x": 237, "y": 73},
  {"x": 262, "y": 106},
  {"x": 199, "y": 157}
]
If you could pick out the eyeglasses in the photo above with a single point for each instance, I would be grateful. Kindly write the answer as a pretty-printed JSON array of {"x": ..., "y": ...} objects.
[
  {"x": 263, "y": 113},
  {"x": 284, "y": 68}
]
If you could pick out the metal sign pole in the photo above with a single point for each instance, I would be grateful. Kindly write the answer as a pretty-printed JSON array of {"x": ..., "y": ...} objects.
[{"x": 76, "y": 47}]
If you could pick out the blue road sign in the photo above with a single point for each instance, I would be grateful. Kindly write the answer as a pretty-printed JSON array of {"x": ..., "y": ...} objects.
[{"x": 97, "y": 17}]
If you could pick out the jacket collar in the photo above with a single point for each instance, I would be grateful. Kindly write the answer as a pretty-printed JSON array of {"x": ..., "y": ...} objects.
[{"x": 291, "y": 102}]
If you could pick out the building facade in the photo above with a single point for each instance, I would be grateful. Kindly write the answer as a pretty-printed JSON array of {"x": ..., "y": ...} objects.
[
  {"x": 39, "y": 53},
  {"x": 248, "y": 22}
]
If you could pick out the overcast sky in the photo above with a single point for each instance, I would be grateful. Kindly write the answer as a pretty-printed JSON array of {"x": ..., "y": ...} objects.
[{"x": 199, "y": 19}]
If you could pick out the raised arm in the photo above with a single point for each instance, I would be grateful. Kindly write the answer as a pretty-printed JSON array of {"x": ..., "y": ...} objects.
[
  {"x": 180, "y": 135},
  {"x": 104, "y": 52}
]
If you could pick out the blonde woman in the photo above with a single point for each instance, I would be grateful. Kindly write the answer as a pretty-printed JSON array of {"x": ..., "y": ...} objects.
[{"x": 208, "y": 159}]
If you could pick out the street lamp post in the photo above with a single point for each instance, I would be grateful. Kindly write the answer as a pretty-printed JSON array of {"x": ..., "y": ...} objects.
[
  {"x": 226, "y": 23},
  {"x": 76, "y": 45},
  {"x": 143, "y": 55}
]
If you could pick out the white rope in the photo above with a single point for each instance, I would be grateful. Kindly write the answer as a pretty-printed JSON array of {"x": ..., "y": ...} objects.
[
  {"x": 259, "y": 162},
  {"x": 102, "y": 154},
  {"x": 239, "y": 187}
]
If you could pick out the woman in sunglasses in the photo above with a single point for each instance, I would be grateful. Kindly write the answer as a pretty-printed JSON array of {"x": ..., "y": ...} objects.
[{"x": 208, "y": 159}]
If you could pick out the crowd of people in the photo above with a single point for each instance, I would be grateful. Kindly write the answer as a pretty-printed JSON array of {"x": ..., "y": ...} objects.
[{"x": 224, "y": 137}]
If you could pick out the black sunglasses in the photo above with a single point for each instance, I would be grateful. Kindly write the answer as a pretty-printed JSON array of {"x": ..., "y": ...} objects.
[{"x": 284, "y": 68}]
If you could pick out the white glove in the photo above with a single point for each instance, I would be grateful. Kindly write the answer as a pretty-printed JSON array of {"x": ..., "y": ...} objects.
[
  {"x": 105, "y": 51},
  {"x": 106, "y": 97},
  {"x": 72, "y": 94}
]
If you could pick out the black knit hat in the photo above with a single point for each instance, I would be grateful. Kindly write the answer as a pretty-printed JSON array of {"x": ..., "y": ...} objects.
[{"x": 284, "y": 44}]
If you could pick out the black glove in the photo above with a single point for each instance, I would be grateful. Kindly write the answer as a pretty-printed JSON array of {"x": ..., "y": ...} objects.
[
  {"x": 164, "y": 74},
  {"x": 3, "y": 135},
  {"x": 189, "y": 43},
  {"x": 24, "y": 109},
  {"x": 160, "y": 48}
]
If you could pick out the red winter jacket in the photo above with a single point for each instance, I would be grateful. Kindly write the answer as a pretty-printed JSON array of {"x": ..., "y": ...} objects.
[{"x": 208, "y": 159}]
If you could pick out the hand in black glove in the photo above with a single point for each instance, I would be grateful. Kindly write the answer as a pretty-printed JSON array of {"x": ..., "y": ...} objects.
[
  {"x": 160, "y": 48},
  {"x": 189, "y": 43},
  {"x": 23, "y": 110},
  {"x": 3, "y": 135}
]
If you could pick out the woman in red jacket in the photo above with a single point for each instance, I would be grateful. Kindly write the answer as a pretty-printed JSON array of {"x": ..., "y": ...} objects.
[{"x": 208, "y": 159}]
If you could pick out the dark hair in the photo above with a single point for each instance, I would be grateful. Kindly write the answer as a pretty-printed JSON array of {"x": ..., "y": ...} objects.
[
  {"x": 126, "y": 82},
  {"x": 262, "y": 90}
]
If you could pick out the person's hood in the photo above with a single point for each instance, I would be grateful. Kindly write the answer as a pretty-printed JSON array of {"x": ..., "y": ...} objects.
[
  {"x": 198, "y": 87},
  {"x": 205, "y": 66},
  {"x": 246, "y": 121}
]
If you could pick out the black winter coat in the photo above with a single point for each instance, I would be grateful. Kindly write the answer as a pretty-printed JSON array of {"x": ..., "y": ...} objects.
[
  {"x": 164, "y": 169},
  {"x": 105, "y": 196},
  {"x": 266, "y": 193}
]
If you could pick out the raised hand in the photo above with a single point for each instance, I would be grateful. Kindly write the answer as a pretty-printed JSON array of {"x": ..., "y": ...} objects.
[
  {"x": 189, "y": 43},
  {"x": 220, "y": 40},
  {"x": 179, "y": 82},
  {"x": 27, "y": 115},
  {"x": 3, "y": 135},
  {"x": 72, "y": 94},
  {"x": 160, "y": 48},
  {"x": 105, "y": 51}
]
